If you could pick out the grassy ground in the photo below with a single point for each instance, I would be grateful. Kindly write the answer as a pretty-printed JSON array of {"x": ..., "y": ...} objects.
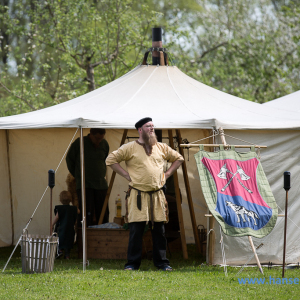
[{"x": 105, "y": 279}]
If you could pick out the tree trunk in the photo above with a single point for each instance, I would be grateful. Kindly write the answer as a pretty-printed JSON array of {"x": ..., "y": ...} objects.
[
  {"x": 5, "y": 37},
  {"x": 90, "y": 77}
]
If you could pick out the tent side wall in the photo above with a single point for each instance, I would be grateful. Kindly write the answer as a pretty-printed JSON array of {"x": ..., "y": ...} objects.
[
  {"x": 32, "y": 154},
  {"x": 5, "y": 211},
  {"x": 34, "y": 151},
  {"x": 282, "y": 154}
]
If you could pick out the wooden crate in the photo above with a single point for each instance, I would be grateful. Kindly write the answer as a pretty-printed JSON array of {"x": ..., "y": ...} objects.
[{"x": 105, "y": 243}]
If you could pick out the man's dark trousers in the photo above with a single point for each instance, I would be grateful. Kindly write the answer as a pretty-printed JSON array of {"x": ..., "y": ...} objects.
[
  {"x": 135, "y": 245},
  {"x": 94, "y": 203}
]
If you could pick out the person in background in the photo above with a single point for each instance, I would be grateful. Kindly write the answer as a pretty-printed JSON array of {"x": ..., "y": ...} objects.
[
  {"x": 145, "y": 200},
  {"x": 65, "y": 218},
  {"x": 96, "y": 149}
]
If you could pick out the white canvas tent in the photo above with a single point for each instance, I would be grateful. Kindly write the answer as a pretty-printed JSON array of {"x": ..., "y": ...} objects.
[
  {"x": 33, "y": 143},
  {"x": 289, "y": 102}
]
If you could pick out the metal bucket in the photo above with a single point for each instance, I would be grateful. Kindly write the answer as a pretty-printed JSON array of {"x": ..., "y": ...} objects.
[{"x": 38, "y": 253}]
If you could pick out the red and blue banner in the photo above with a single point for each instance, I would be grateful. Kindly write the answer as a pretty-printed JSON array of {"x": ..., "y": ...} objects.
[{"x": 237, "y": 192}]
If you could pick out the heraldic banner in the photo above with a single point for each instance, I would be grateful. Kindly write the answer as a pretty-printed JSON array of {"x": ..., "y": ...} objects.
[{"x": 237, "y": 191}]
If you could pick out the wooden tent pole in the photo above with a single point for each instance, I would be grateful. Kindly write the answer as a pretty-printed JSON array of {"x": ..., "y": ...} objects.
[
  {"x": 84, "y": 243},
  {"x": 189, "y": 194},
  {"x": 211, "y": 221},
  {"x": 211, "y": 240},
  {"x": 51, "y": 227},
  {"x": 222, "y": 136},
  {"x": 10, "y": 189},
  {"x": 112, "y": 179},
  {"x": 284, "y": 234},
  {"x": 178, "y": 202},
  {"x": 249, "y": 237},
  {"x": 211, "y": 236},
  {"x": 255, "y": 254},
  {"x": 217, "y": 145}
]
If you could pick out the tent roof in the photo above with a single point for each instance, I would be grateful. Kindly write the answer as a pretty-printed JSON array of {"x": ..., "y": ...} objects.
[
  {"x": 170, "y": 97},
  {"x": 289, "y": 102}
]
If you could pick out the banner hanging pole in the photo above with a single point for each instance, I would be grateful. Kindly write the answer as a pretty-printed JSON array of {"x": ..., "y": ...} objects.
[{"x": 217, "y": 145}]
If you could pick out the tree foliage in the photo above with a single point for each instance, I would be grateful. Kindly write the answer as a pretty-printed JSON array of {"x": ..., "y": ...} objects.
[
  {"x": 54, "y": 50},
  {"x": 245, "y": 48},
  {"x": 67, "y": 48}
]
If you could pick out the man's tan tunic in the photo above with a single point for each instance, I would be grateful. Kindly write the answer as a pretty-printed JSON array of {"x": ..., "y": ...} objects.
[{"x": 147, "y": 174}]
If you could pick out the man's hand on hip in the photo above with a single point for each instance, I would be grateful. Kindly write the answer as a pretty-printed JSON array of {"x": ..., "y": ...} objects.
[
  {"x": 119, "y": 170},
  {"x": 175, "y": 165}
]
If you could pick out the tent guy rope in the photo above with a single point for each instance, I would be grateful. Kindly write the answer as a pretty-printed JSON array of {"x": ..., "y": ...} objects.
[
  {"x": 223, "y": 252},
  {"x": 29, "y": 221}
]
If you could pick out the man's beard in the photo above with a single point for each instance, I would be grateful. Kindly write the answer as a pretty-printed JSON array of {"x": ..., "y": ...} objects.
[{"x": 149, "y": 140}]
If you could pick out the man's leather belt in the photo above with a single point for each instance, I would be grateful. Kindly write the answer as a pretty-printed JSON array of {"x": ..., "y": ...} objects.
[{"x": 139, "y": 202}]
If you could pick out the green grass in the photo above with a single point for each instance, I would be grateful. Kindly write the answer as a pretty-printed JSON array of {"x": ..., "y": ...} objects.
[{"x": 106, "y": 279}]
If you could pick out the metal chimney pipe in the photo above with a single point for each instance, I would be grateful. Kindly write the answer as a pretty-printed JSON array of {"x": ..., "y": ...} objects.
[{"x": 156, "y": 43}]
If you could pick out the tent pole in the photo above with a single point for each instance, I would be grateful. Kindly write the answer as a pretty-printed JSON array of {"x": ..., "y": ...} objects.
[
  {"x": 112, "y": 179},
  {"x": 189, "y": 194},
  {"x": 256, "y": 257},
  {"x": 84, "y": 244},
  {"x": 178, "y": 202},
  {"x": 211, "y": 240},
  {"x": 217, "y": 145},
  {"x": 287, "y": 186},
  {"x": 10, "y": 189},
  {"x": 51, "y": 227}
]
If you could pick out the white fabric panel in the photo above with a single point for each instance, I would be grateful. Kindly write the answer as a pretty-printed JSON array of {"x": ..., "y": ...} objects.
[
  {"x": 5, "y": 211},
  {"x": 282, "y": 154},
  {"x": 171, "y": 98},
  {"x": 289, "y": 102},
  {"x": 32, "y": 154}
]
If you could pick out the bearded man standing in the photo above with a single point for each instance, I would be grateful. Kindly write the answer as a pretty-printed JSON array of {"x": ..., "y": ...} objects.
[{"x": 145, "y": 200}]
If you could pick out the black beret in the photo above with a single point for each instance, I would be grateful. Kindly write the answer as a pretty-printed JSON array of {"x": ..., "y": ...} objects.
[{"x": 141, "y": 122}]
